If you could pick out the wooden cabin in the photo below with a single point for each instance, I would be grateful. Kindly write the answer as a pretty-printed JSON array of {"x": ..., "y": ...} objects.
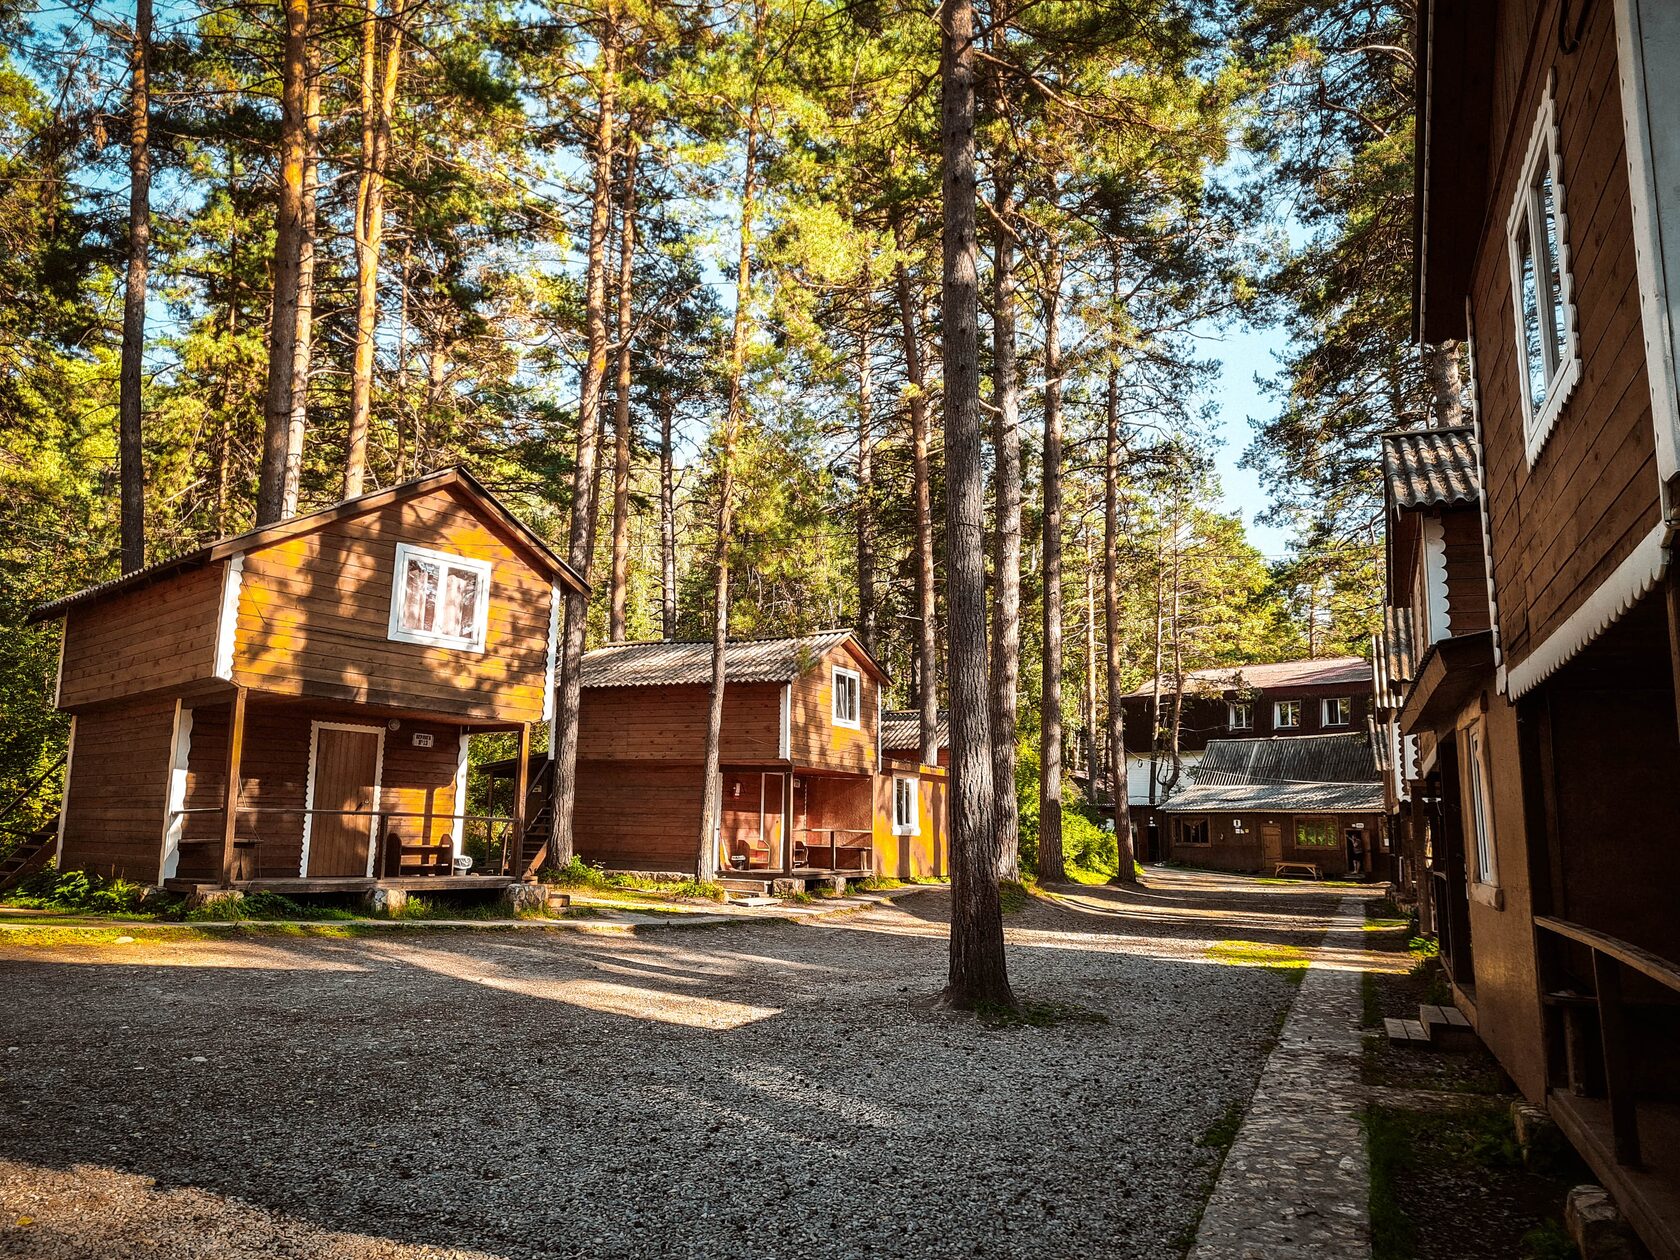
[
  {"x": 291, "y": 708},
  {"x": 1549, "y": 244},
  {"x": 801, "y": 761},
  {"x": 1307, "y": 805},
  {"x": 901, "y": 736}
]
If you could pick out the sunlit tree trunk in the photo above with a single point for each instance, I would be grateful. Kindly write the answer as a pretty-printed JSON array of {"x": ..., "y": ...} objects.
[
  {"x": 1090, "y": 707},
  {"x": 130, "y": 451},
  {"x": 301, "y": 351},
  {"x": 667, "y": 524},
  {"x": 1117, "y": 779},
  {"x": 866, "y": 488},
  {"x": 927, "y": 631},
  {"x": 620, "y": 587},
  {"x": 1440, "y": 369},
  {"x": 1051, "y": 867},
  {"x": 1006, "y": 495}
]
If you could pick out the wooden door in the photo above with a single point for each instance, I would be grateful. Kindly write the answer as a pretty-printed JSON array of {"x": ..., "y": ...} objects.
[
  {"x": 773, "y": 828},
  {"x": 346, "y": 779},
  {"x": 1271, "y": 842}
]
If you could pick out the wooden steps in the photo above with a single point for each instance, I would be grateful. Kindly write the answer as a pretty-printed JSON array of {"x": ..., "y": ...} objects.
[
  {"x": 31, "y": 854},
  {"x": 1438, "y": 1027}
]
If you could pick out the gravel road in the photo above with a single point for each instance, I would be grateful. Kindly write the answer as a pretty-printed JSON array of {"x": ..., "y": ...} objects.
[{"x": 765, "y": 1090}]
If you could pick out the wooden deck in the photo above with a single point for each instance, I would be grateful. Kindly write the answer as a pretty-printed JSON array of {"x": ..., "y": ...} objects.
[
  {"x": 1648, "y": 1195},
  {"x": 350, "y": 884}
]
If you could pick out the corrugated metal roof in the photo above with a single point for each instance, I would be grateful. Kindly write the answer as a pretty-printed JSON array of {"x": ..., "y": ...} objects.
[
  {"x": 1295, "y": 759},
  {"x": 1323, "y": 671},
  {"x": 1424, "y": 467},
  {"x": 1395, "y": 662},
  {"x": 902, "y": 728},
  {"x": 1294, "y": 798},
  {"x": 669, "y": 663}
]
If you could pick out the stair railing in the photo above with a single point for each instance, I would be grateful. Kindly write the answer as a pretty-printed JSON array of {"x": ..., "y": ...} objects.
[{"x": 34, "y": 786}]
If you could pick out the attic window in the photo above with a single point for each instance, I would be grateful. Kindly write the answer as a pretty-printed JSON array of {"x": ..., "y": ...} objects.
[
  {"x": 1336, "y": 711},
  {"x": 1548, "y": 356},
  {"x": 439, "y": 600},
  {"x": 848, "y": 697}
]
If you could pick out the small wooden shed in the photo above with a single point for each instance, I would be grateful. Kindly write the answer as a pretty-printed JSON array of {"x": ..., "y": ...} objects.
[{"x": 291, "y": 708}]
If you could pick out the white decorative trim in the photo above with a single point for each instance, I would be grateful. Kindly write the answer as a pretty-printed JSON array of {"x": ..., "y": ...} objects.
[
  {"x": 784, "y": 744},
  {"x": 1632, "y": 580},
  {"x": 64, "y": 793},
  {"x": 1437, "y": 613},
  {"x": 175, "y": 794},
  {"x": 227, "y": 617},
  {"x": 458, "y": 839},
  {"x": 315, "y": 729},
  {"x": 481, "y": 613},
  {"x": 1650, "y": 33},
  {"x": 58, "y": 679},
  {"x": 840, "y": 671},
  {"x": 1483, "y": 515},
  {"x": 551, "y": 666},
  {"x": 1543, "y": 143}
]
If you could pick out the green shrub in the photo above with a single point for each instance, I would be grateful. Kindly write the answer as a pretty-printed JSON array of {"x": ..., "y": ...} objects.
[
  {"x": 263, "y": 905},
  {"x": 50, "y": 889}
]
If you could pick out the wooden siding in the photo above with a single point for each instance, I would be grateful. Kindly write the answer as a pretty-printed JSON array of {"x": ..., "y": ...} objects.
[
  {"x": 922, "y": 856},
  {"x": 816, "y": 740},
  {"x": 1561, "y": 527},
  {"x": 119, "y": 782},
  {"x": 314, "y": 615},
  {"x": 669, "y": 723},
  {"x": 1206, "y": 719},
  {"x": 1230, "y": 850},
  {"x": 1467, "y": 602},
  {"x": 638, "y": 816},
  {"x": 142, "y": 641}
]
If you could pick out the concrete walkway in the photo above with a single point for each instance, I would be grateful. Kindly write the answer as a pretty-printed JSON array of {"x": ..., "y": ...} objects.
[{"x": 1296, "y": 1185}]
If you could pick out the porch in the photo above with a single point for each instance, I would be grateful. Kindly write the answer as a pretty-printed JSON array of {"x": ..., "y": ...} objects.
[{"x": 794, "y": 823}]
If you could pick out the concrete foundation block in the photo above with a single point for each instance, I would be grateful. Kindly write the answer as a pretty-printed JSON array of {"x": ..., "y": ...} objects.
[
  {"x": 527, "y": 898},
  {"x": 1598, "y": 1227},
  {"x": 1543, "y": 1144},
  {"x": 213, "y": 896},
  {"x": 836, "y": 884},
  {"x": 786, "y": 887},
  {"x": 385, "y": 900}
]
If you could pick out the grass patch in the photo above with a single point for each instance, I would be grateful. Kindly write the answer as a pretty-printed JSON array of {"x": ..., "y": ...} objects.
[
  {"x": 78, "y": 892},
  {"x": 1389, "y": 1145},
  {"x": 1386, "y": 925},
  {"x": 264, "y": 905},
  {"x": 1370, "y": 1001},
  {"x": 877, "y": 883},
  {"x": 1549, "y": 1241},
  {"x": 580, "y": 874},
  {"x": 1015, "y": 894},
  {"x": 1222, "y": 1132},
  {"x": 1286, "y": 960},
  {"x": 1037, "y": 1015}
]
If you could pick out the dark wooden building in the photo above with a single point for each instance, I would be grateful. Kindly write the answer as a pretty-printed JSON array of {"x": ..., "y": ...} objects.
[
  {"x": 1549, "y": 244},
  {"x": 291, "y": 708}
]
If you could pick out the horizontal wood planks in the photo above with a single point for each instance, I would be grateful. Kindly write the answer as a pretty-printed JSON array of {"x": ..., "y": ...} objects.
[
  {"x": 815, "y": 739},
  {"x": 143, "y": 640},
  {"x": 314, "y": 617},
  {"x": 669, "y": 723},
  {"x": 1232, "y": 850},
  {"x": 1560, "y": 527},
  {"x": 639, "y": 817},
  {"x": 1467, "y": 602},
  {"x": 119, "y": 777}
]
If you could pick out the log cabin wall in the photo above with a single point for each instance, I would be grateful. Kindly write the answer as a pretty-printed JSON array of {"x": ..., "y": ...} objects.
[
  {"x": 315, "y": 611},
  {"x": 143, "y": 640},
  {"x": 1207, "y": 718},
  {"x": 815, "y": 739},
  {"x": 1560, "y": 527},
  {"x": 119, "y": 784},
  {"x": 1467, "y": 599},
  {"x": 1232, "y": 849},
  {"x": 668, "y": 723},
  {"x": 638, "y": 816}
]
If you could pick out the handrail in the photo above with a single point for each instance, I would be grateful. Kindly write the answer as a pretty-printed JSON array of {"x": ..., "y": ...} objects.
[
  {"x": 1641, "y": 960},
  {"x": 29, "y": 791}
]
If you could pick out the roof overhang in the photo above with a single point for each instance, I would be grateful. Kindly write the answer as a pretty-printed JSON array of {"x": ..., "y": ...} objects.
[{"x": 1448, "y": 675}]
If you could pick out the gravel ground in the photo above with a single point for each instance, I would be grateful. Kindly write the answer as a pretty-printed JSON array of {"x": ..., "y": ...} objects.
[{"x": 749, "y": 1090}]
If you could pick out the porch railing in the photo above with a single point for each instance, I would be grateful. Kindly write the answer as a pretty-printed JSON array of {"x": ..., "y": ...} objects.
[
  {"x": 1587, "y": 978},
  {"x": 833, "y": 847},
  {"x": 488, "y": 839}
]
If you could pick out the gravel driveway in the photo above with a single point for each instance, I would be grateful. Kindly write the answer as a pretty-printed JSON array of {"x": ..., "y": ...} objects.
[{"x": 761, "y": 1090}]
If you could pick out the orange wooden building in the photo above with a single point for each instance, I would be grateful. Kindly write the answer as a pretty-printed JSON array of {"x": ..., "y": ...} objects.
[
  {"x": 805, "y": 790},
  {"x": 291, "y": 708}
]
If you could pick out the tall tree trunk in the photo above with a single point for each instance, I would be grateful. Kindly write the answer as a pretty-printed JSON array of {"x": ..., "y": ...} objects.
[
  {"x": 667, "y": 525},
  {"x": 1440, "y": 368},
  {"x": 979, "y": 974},
  {"x": 1175, "y": 724},
  {"x": 580, "y": 548},
  {"x": 379, "y": 97},
  {"x": 1006, "y": 591},
  {"x": 1119, "y": 792},
  {"x": 1089, "y": 716},
  {"x": 288, "y": 264},
  {"x": 620, "y": 592},
  {"x": 712, "y": 797},
  {"x": 866, "y": 488},
  {"x": 130, "y": 455},
  {"x": 1155, "y": 697},
  {"x": 301, "y": 350},
  {"x": 927, "y": 630},
  {"x": 1051, "y": 867}
]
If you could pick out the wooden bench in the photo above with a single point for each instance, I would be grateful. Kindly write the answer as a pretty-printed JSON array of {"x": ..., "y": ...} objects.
[{"x": 1309, "y": 869}]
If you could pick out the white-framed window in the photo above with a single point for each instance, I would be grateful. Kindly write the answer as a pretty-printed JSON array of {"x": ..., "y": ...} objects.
[
  {"x": 1542, "y": 290},
  {"x": 1335, "y": 711},
  {"x": 1239, "y": 716},
  {"x": 1481, "y": 821},
  {"x": 1286, "y": 714},
  {"x": 439, "y": 599},
  {"x": 907, "y": 819},
  {"x": 848, "y": 697}
]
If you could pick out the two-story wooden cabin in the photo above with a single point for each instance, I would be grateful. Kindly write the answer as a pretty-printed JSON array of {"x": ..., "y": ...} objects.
[
  {"x": 806, "y": 792},
  {"x": 291, "y": 708},
  {"x": 1549, "y": 241}
]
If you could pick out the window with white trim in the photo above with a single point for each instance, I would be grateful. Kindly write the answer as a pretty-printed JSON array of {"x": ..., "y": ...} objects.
[
  {"x": 439, "y": 599},
  {"x": 1239, "y": 716},
  {"x": 907, "y": 819},
  {"x": 1542, "y": 291},
  {"x": 1286, "y": 714},
  {"x": 1335, "y": 711},
  {"x": 1481, "y": 823},
  {"x": 848, "y": 697}
]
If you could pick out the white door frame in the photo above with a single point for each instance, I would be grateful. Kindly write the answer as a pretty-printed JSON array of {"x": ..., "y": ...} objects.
[{"x": 309, "y": 790}]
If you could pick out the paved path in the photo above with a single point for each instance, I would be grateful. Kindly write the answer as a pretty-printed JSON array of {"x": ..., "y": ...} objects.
[{"x": 1295, "y": 1185}]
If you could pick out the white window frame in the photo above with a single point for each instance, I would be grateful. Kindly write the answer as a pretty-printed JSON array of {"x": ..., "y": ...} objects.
[
  {"x": 855, "y": 722},
  {"x": 1478, "y": 810},
  {"x": 481, "y": 614},
  {"x": 1233, "y": 708},
  {"x": 913, "y": 827},
  {"x": 1324, "y": 718},
  {"x": 1277, "y": 715},
  {"x": 1565, "y": 372}
]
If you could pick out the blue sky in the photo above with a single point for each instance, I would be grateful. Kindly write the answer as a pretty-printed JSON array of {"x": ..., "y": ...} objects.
[{"x": 1245, "y": 353}]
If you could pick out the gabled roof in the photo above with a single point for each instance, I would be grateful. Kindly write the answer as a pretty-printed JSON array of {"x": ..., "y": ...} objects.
[
  {"x": 1323, "y": 671},
  {"x": 902, "y": 728},
  {"x": 1301, "y": 774},
  {"x": 1431, "y": 467},
  {"x": 664, "y": 662},
  {"x": 458, "y": 480},
  {"x": 1285, "y": 798}
]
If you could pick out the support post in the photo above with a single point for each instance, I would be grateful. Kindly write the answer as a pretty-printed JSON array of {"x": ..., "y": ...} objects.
[
  {"x": 1618, "y": 1066},
  {"x": 521, "y": 787},
  {"x": 230, "y": 791}
]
